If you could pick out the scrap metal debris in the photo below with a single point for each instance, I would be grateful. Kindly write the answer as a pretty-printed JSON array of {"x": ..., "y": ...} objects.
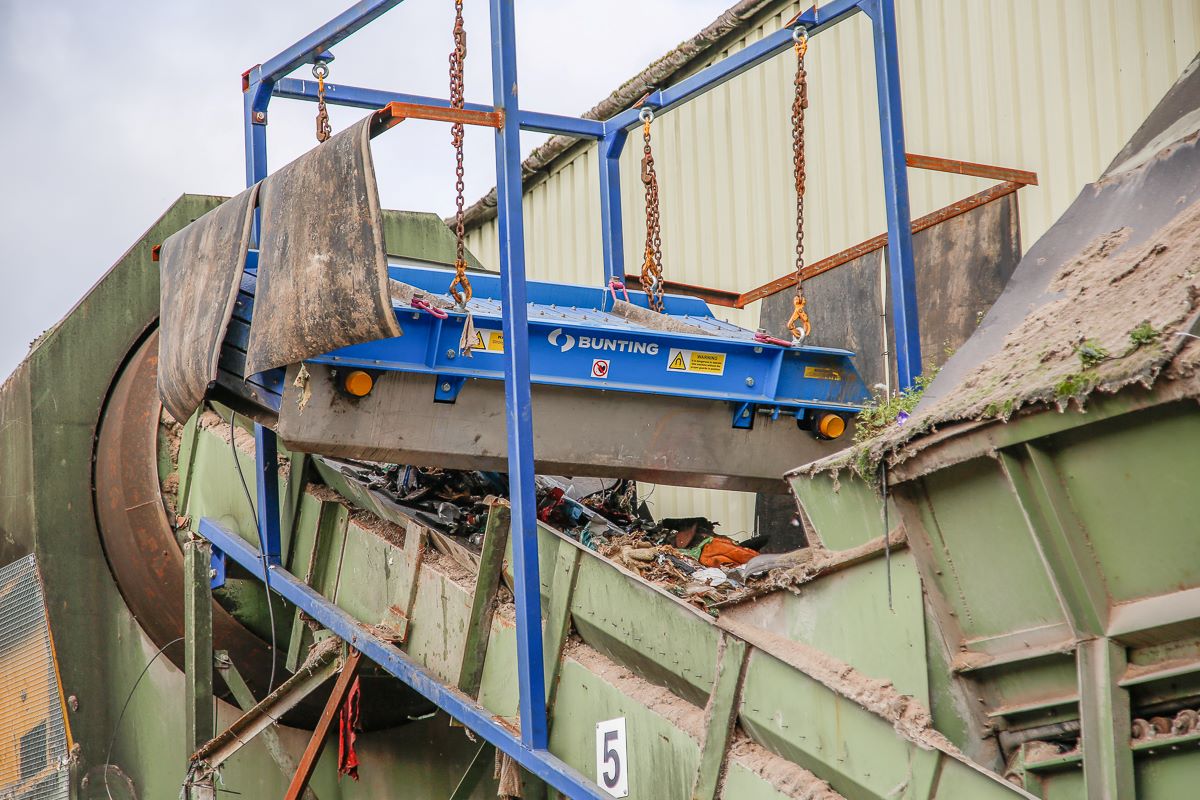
[{"x": 683, "y": 555}]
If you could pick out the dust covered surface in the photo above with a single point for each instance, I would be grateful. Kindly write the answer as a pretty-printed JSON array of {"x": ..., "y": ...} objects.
[
  {"x": 905, "y": 713},
  {"x": 791, "y": 779},
  {"x": 1116, "y": 320},
  {"x": 674, "y": 709}
]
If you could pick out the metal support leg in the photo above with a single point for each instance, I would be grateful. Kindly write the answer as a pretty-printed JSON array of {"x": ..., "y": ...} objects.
[
  {"x": 308, "y": 762},
  {"x": 245, "y": 700},
  {"x": 905, "y": 319},
  {"x": 483, "y": 605},
  {"x": 518, "y": 410},
  {"x": 608, "y": 154},
  {"x": 197, "y": 643},
  {"x": 266, "y": 458},
  {"x": 1105, "y": 719}
]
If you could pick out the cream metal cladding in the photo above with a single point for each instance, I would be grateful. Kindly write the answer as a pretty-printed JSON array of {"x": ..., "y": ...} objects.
[{"x": 1053, "y": 86}]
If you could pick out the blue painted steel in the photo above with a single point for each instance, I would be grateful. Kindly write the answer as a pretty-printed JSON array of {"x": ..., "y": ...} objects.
[
  {"x": 304, "y": 51},
  {"x": 569, "y": 330},
  {"x": 539, "y": 761},
  {"x": 778, "y": 380},
  {"x": 518, "y": 407},
  {"x": 266, "y": 457},
  {"x": 216, "y": 568},
  {"x": 357, "y": 97},
  {"x": 612, "y": 234},
  {"x": 905, "y": 319},
  {"x": 730, "y": 67}
]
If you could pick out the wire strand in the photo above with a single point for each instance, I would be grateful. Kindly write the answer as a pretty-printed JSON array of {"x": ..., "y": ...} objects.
[
  {"x": 262, "y": 543},
  {"x": 121, "y": 716}
]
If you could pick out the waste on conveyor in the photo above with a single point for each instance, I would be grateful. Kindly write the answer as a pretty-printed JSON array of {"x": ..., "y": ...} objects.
[{"x": 685, "y": 555}]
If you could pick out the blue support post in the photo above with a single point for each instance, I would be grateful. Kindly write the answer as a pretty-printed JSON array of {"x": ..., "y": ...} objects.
[
  {"x": 255, "y": 98},
  {"x": 905, "y": 319},
  {"x": 518, "y": 409},
  {"x": 266, "y": 458},
  {"x": 612, "y": 235}
]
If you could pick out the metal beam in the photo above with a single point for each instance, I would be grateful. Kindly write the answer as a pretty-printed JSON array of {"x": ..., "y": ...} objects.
[
  {"x": 1060, "y": 538},
  {"x": 357, "y": 97},
  {"x": 905, "y": 314},
  {"x": 483, "y": 604},
  {"x": 1105, "y": 719},
  {"x": 337, "y": 29},
  {"x": 719, "y": 714},
  {"x": 245, "y": 700},
  {"x": 311, "y": 675},
  {"x": 308, "y": 761},
  {"x": 558, "y": 614},
  {"x": 540, "y": 762},
  {"x": 200, "y": 718},
  {"x": 815, "y": 20},
  {"x": 518, "y": 405},
  {"x": 871, "y": 245}
]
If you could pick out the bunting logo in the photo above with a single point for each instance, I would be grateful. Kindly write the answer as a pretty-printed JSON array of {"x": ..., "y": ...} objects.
[
  {"x": 565, "y": 346},
  {"x": 600, "y": 343}
]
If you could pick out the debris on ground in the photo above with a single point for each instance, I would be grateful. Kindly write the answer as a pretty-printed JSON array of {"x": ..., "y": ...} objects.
[{"x": 686, "y": 556}]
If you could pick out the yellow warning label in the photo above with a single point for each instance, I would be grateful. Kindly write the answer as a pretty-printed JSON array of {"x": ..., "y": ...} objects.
[
  {"x": 695, "y": 361},
  {"x": 489, "y": 341},
  {"x": 822, "y": 373}
]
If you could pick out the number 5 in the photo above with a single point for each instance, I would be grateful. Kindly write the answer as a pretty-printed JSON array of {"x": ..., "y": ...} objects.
[
  {"x": 612, "y": 772},
  {"x": 610, "y": 754}
]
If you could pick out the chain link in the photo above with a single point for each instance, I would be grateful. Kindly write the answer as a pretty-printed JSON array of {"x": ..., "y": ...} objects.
[
  {"x": 458, "y": 57},
  {"x": 652, "y": 279},
  {"x": 324, "y": 130},
  {"x": 799, "y": 103}
]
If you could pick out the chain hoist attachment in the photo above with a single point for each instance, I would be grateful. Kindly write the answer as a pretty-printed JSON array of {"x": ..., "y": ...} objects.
[
  {"x": 799, "y": 104},
  {"x": 320, "y": 71},
  {"x": 460, "y": 287},
  {"x": 652, "y": 279}
]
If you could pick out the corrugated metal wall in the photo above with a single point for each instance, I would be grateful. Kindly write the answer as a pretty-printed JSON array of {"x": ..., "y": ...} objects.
[{"x": 1053, "y": 86}]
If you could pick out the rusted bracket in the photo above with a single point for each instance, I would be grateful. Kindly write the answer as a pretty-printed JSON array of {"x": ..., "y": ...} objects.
[
  {"x": 308, "y": 761},
  {"x": 394, "y": 113},
  {"x": 877, "y": 242},
  {"x": 245, "y": 700},
  {"x": 483, "y": 606},
  {"x": 1013, "y": 179},
  {"x": 720, "y": 714},
  {"x": 266, "y": 713}
]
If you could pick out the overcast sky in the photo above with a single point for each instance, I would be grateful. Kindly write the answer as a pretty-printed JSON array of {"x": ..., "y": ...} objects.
[{"x": 112, "y": 110}]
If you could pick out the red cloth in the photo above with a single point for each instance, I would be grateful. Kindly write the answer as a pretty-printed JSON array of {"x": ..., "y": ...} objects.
[{"x": 348, "y": 726}]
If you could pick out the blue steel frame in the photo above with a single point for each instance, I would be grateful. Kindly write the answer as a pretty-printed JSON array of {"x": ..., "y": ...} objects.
[{"x": 270, "y": 79}]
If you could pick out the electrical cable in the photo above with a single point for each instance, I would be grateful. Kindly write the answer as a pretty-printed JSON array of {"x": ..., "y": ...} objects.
[
  {"x": 262, "y": 543},
  {"x": 117, "y": 727}
]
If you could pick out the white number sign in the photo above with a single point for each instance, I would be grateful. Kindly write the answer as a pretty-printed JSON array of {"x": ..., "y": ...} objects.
[{"x": 612, "y": 766}]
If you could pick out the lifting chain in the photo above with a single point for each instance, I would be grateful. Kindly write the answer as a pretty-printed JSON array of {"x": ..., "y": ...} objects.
[
  {"x": 652, "y": 279},
  {"x": 458, "y": 57},
  {"x": 321, "y": 72},
  {"x": 799, "y": 312}
]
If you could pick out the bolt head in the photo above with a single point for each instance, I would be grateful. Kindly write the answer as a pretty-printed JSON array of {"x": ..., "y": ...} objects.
[
  {"x": 450, "y": 353},
  {"x": 749, "y": 381},
  {"x": 259, "y": 116},
  {"x": 445, "y": 387}
]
